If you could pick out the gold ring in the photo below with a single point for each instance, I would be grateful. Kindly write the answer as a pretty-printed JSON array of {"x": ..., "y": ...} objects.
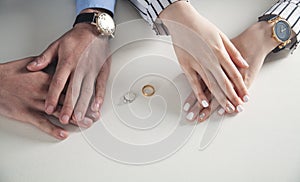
[{"x": 148, "y": 90}]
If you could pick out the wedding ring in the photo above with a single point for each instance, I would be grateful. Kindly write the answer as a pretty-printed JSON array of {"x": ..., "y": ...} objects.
[
  {"x": 129, "y": 97},
  {"x": 148, "y": 90}
]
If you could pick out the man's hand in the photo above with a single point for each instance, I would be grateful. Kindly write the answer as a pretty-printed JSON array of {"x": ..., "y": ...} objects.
[
  {"x": 80, "y": 55},
  {"x": 254, "y": 44},
  {"x": 23, "y": 94},
  {"x": 203, "y": 50}
]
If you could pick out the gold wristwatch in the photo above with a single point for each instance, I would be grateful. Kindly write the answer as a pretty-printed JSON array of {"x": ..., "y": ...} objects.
[
  {"x": 103, "y": 21},
  {"x": 281, "y": 30}
]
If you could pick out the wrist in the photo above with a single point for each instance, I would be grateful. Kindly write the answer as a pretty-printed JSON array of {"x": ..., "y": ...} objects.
[
  {"x": 261, "y": 34},
  {"x": 180, "y": 12}
]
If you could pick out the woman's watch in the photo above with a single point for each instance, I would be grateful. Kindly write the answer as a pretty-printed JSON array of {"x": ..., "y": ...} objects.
[
  {"x": 281, "y": 30},
  {"x": 103, "y": 21}
]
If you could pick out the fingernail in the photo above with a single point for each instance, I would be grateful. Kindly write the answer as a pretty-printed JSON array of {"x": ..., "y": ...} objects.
[
  {"x": 33, "y": 63},
  {"x": 78, "y": 116},
  {"x": 63, "y": 134},
  {"x": 94, "y": 115},
  {"x": 244, "y": 61},
  {"x": 246, "y": 98},
  {"x": 96, "y": 106},
  {"x": 65, "y": 119},
  {"x": 240, "y": 108},
  {"x": 204, "y": 103},
  {"x": 190, "y": 116},
  {"x": 86, "y": 123},
  {"x": 49, "y": 109},
  {"x": 230, "y": 108},
  {"x": 201, "y": 116},
  {"x": 186, "y": 107},
  {"x": 221, "y": 111}
]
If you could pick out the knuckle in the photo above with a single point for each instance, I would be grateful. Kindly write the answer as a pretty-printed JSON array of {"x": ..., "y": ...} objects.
[
  {"x": 217, "y": 48},
  {"x": 200, "y": 94},
  {"x": 66, "y": 62},
  {"x": 87, "y": 90},
  {"x": 67, "y": 109},
  {"x": 235, "y": 100},
  {"x": 51, "y": 100},
  {"x": 58, "y": 82},
  {"x": 236, "y": 77}
]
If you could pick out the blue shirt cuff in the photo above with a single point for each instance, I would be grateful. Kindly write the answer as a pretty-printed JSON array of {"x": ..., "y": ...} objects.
[{"x": 105, "y": 4}]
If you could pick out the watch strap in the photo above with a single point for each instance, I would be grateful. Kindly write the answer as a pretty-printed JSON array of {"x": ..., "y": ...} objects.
[
  {"x": 267, "y": 17},
  {"x": 86, "y": 18}
]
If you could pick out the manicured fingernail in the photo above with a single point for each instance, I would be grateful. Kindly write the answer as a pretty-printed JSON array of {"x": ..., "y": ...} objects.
[
  {"x": 86, "y": 123},
  {"x": 221, "y": 111},
  {"x": 230, "y": 108},
  {"x": 186, "y": 107},
  {"x": 201, "y": 116},
  {"x": 246, "y": 98},
  {"x": 63, "y": 134},
  {"x": 244, "y": 61},
  {"x": 65, "y": 118},
  {"x": 190, "y": 116},
  {"x": 49, "y": 109},
  {"x": 78, "y": 116},
  {"x": 240, "y": 108},
  {"x": 204, "y": 103}
]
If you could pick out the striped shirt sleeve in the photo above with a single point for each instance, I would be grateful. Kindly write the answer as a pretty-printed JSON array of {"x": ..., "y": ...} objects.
[
  {"x": 150, "y": 10},
  {"x": 289, "y": 10}
]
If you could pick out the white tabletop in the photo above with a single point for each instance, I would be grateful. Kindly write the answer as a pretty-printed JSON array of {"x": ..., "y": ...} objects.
[{"x": 261, "y": 144}]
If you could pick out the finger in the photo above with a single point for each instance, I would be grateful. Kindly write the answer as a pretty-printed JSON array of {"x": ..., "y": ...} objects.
[
  {"x": 193, "y": 78},
  {"x": 95, "y": 116},
  {"x": 231, "y": 94},
  {"x": 219, "y": 94},
  {"x": 190, "y": 101},
  {"x": 100, "y": 87},
  {"x": 70, "y": 99},
  {"x": 233, "y": 52},
  {"x": 83, "y": 102},
  {"x": 41, "y": 122},
  {"x": 239, "y": 90},
  {"x": 193, "y": 112},
  {"x": 43, "y": 60},
  {"x": 207, "y": 112},
  {"x": 57, "y": 85}
]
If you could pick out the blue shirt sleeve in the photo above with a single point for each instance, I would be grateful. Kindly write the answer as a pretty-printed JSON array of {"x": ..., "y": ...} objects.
[{"x": 105, "y": 4}]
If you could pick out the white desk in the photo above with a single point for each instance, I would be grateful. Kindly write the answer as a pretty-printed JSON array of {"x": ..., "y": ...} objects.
[{"x": 261, "y": 144}]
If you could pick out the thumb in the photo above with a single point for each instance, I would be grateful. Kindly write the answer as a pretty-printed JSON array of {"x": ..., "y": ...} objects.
[
  {"x": 43, "y": 60},
  {"x": 233, "y": 52}
]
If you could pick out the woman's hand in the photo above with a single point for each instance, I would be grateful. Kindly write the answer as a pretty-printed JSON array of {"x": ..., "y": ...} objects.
[
  {"x": 254, "y": 44},
  {"x": 204, "y": 51}
]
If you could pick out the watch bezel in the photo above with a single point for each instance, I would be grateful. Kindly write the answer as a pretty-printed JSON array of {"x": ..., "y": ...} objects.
[
  {"x": 275, "y": 22},
  {"x": 289, "y": 32},
  {"x": 104, "y": 30}
]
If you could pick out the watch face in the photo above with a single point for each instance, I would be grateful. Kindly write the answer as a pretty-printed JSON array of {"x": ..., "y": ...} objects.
[
  {"x": 106, "y": 24},
  {"x": 282, "y": 30}
]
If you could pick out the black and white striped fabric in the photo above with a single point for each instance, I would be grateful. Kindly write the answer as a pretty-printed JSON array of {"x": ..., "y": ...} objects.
[{"x": 150, "y": 9}]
